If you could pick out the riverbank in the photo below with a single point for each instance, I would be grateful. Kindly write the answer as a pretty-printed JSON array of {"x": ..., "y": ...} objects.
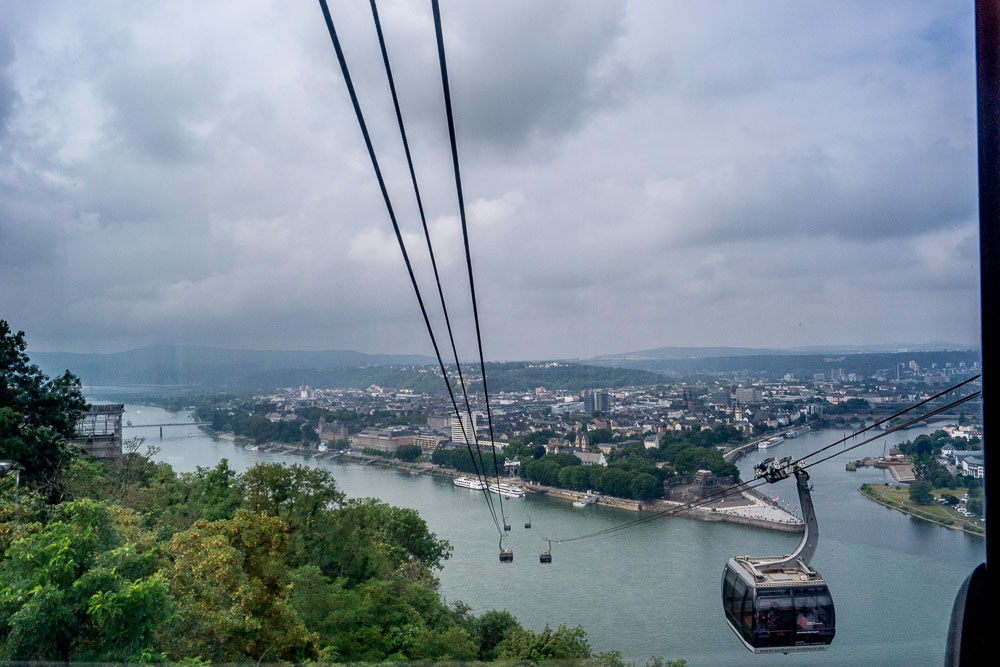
[
  {"x": 757, "y": 512},
  {"x": 589, "y": 498},
  {"x": 930, "y": 513}
]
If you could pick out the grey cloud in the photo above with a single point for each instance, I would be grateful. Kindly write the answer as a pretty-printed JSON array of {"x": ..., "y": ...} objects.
[
  {"x": 637, "y": 174},
  {"x": 887, "y": 191},
  {"x": 8, "y": 96},
  {"x": 529, "y": 72},
  {"x": 520, "y": 71}
]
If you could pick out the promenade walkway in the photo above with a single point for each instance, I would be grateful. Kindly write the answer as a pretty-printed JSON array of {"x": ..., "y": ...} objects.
[{"x": 757, "y": 508}]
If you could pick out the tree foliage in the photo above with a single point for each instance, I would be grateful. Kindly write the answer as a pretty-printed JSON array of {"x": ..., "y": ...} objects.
[
  {"x": 271, "y": 565},
  {"x": 459, "y": 459},
  {"x": 37, "y": 414},
  {"x": 408, "y": 452},
  {"x": 84, "y": 586},
  {"x": 920, "y": 492},
  {"x": 560, "y": 644}
]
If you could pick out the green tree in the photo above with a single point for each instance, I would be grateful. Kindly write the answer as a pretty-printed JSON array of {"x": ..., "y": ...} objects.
[
  {"x": 301, "y": 496},
  {"x": 494, "y": 627},
  {"x": 366, "y": 539},
  {"x": 856, "y": 404},
  {"x": 920, "y": 492},
  {"x": 408, "y": 452},
  {"x": 228, "y": 578},
  {"x": 646, "y": 486},
  {"x": 599, "y": 435},
  {"x": 975, "y": 502},
  {"x": 560, "y": 644},
  {"x": 616, "y": 482},
  {"x": 37, "y": 414},
  {"x": 80, "y": 589},
  {"x": 296, "y": 493},
  {"x": 212, "y": 494}
]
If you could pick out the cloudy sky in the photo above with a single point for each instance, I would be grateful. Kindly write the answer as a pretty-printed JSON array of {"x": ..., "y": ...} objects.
[{"x": 637, "y": 174}]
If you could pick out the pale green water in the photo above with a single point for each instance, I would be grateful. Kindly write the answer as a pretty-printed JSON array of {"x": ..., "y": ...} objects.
[{"x": 654, "y": 589}]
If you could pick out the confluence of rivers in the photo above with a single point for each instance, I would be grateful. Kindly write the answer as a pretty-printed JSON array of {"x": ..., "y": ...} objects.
[{"x": 655, "y": 589}]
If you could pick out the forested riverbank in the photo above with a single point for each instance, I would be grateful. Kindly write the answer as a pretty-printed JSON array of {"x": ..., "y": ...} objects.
[
  {"x": 138, "y": 563},
  {"x": 274, "y": 564}
]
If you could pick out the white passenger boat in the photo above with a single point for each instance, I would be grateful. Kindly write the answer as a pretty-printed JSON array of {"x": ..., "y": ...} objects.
[
  {"x": 770, "y": 442},
  {"x": 796, "y": 432},
  {"x": 469, "y": 483},
  {"x": 507, "y": 490}
]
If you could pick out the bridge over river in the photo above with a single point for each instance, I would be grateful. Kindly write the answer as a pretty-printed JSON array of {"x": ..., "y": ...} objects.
[
  {"x": 161, "y": 425},
  {"x": 167, "y": 424}
]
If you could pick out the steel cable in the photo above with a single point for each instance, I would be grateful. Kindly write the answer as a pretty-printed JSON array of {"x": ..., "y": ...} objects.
[
  {"x": 427, "y": 236},
  {"x": 395, "y": 226},
  {"x": 465, "y": 230}
]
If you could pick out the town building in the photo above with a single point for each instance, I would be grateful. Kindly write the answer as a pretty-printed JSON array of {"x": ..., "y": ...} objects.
[
  {"x": 428, "y": 442},
  {"x": 99, "y": 432},
  {"x": 591, "y": 458},
  {"x": 382, "y": 439},
  {"x": 464, "y": 431},
  {"x": 597, "y": 400}
]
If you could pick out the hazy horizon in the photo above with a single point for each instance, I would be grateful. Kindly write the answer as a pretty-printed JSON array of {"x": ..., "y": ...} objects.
[{"x": 803, "y": 349}]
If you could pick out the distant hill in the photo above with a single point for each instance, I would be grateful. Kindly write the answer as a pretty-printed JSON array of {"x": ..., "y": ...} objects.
[
  {"x": 202, "y": 366},
  {"x": 802, "y": 366},
  {"x": 220, "y": 369},
  {"x": 686, "y": 353},
  {"x": 510, "y": 376},
  {"x": 933, "y": 346},
  {"x": 672, "y": 352}
]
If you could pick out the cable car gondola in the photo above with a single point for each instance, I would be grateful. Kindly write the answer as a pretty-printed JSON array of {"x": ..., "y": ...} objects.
[
  {"x": 546, "y": 556},
  {"x": 506, "y": 555},
  {"x": 527, "y": 524},
  {"x": 781, "y": 605}
]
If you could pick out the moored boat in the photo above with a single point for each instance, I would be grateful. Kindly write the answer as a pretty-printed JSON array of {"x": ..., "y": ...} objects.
[
  {"x": 507, "y": 490},
  {"x": 770, "y": 442},
  {"x": 469, "y": 483}
]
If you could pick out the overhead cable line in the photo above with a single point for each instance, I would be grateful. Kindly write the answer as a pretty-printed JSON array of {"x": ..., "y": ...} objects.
[
  {"x": 395, "y": 225},
  {"x": 465, "y": 229},
  {"x": 427, "y": 234},
  {"x": 754, "y": 483}
]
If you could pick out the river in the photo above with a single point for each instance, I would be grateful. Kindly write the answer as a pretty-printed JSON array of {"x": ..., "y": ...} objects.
[{"x": 655, "y": 589}]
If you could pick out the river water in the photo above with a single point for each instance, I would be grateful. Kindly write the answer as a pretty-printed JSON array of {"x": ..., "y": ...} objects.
[{"x": 655, "y": 589}]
